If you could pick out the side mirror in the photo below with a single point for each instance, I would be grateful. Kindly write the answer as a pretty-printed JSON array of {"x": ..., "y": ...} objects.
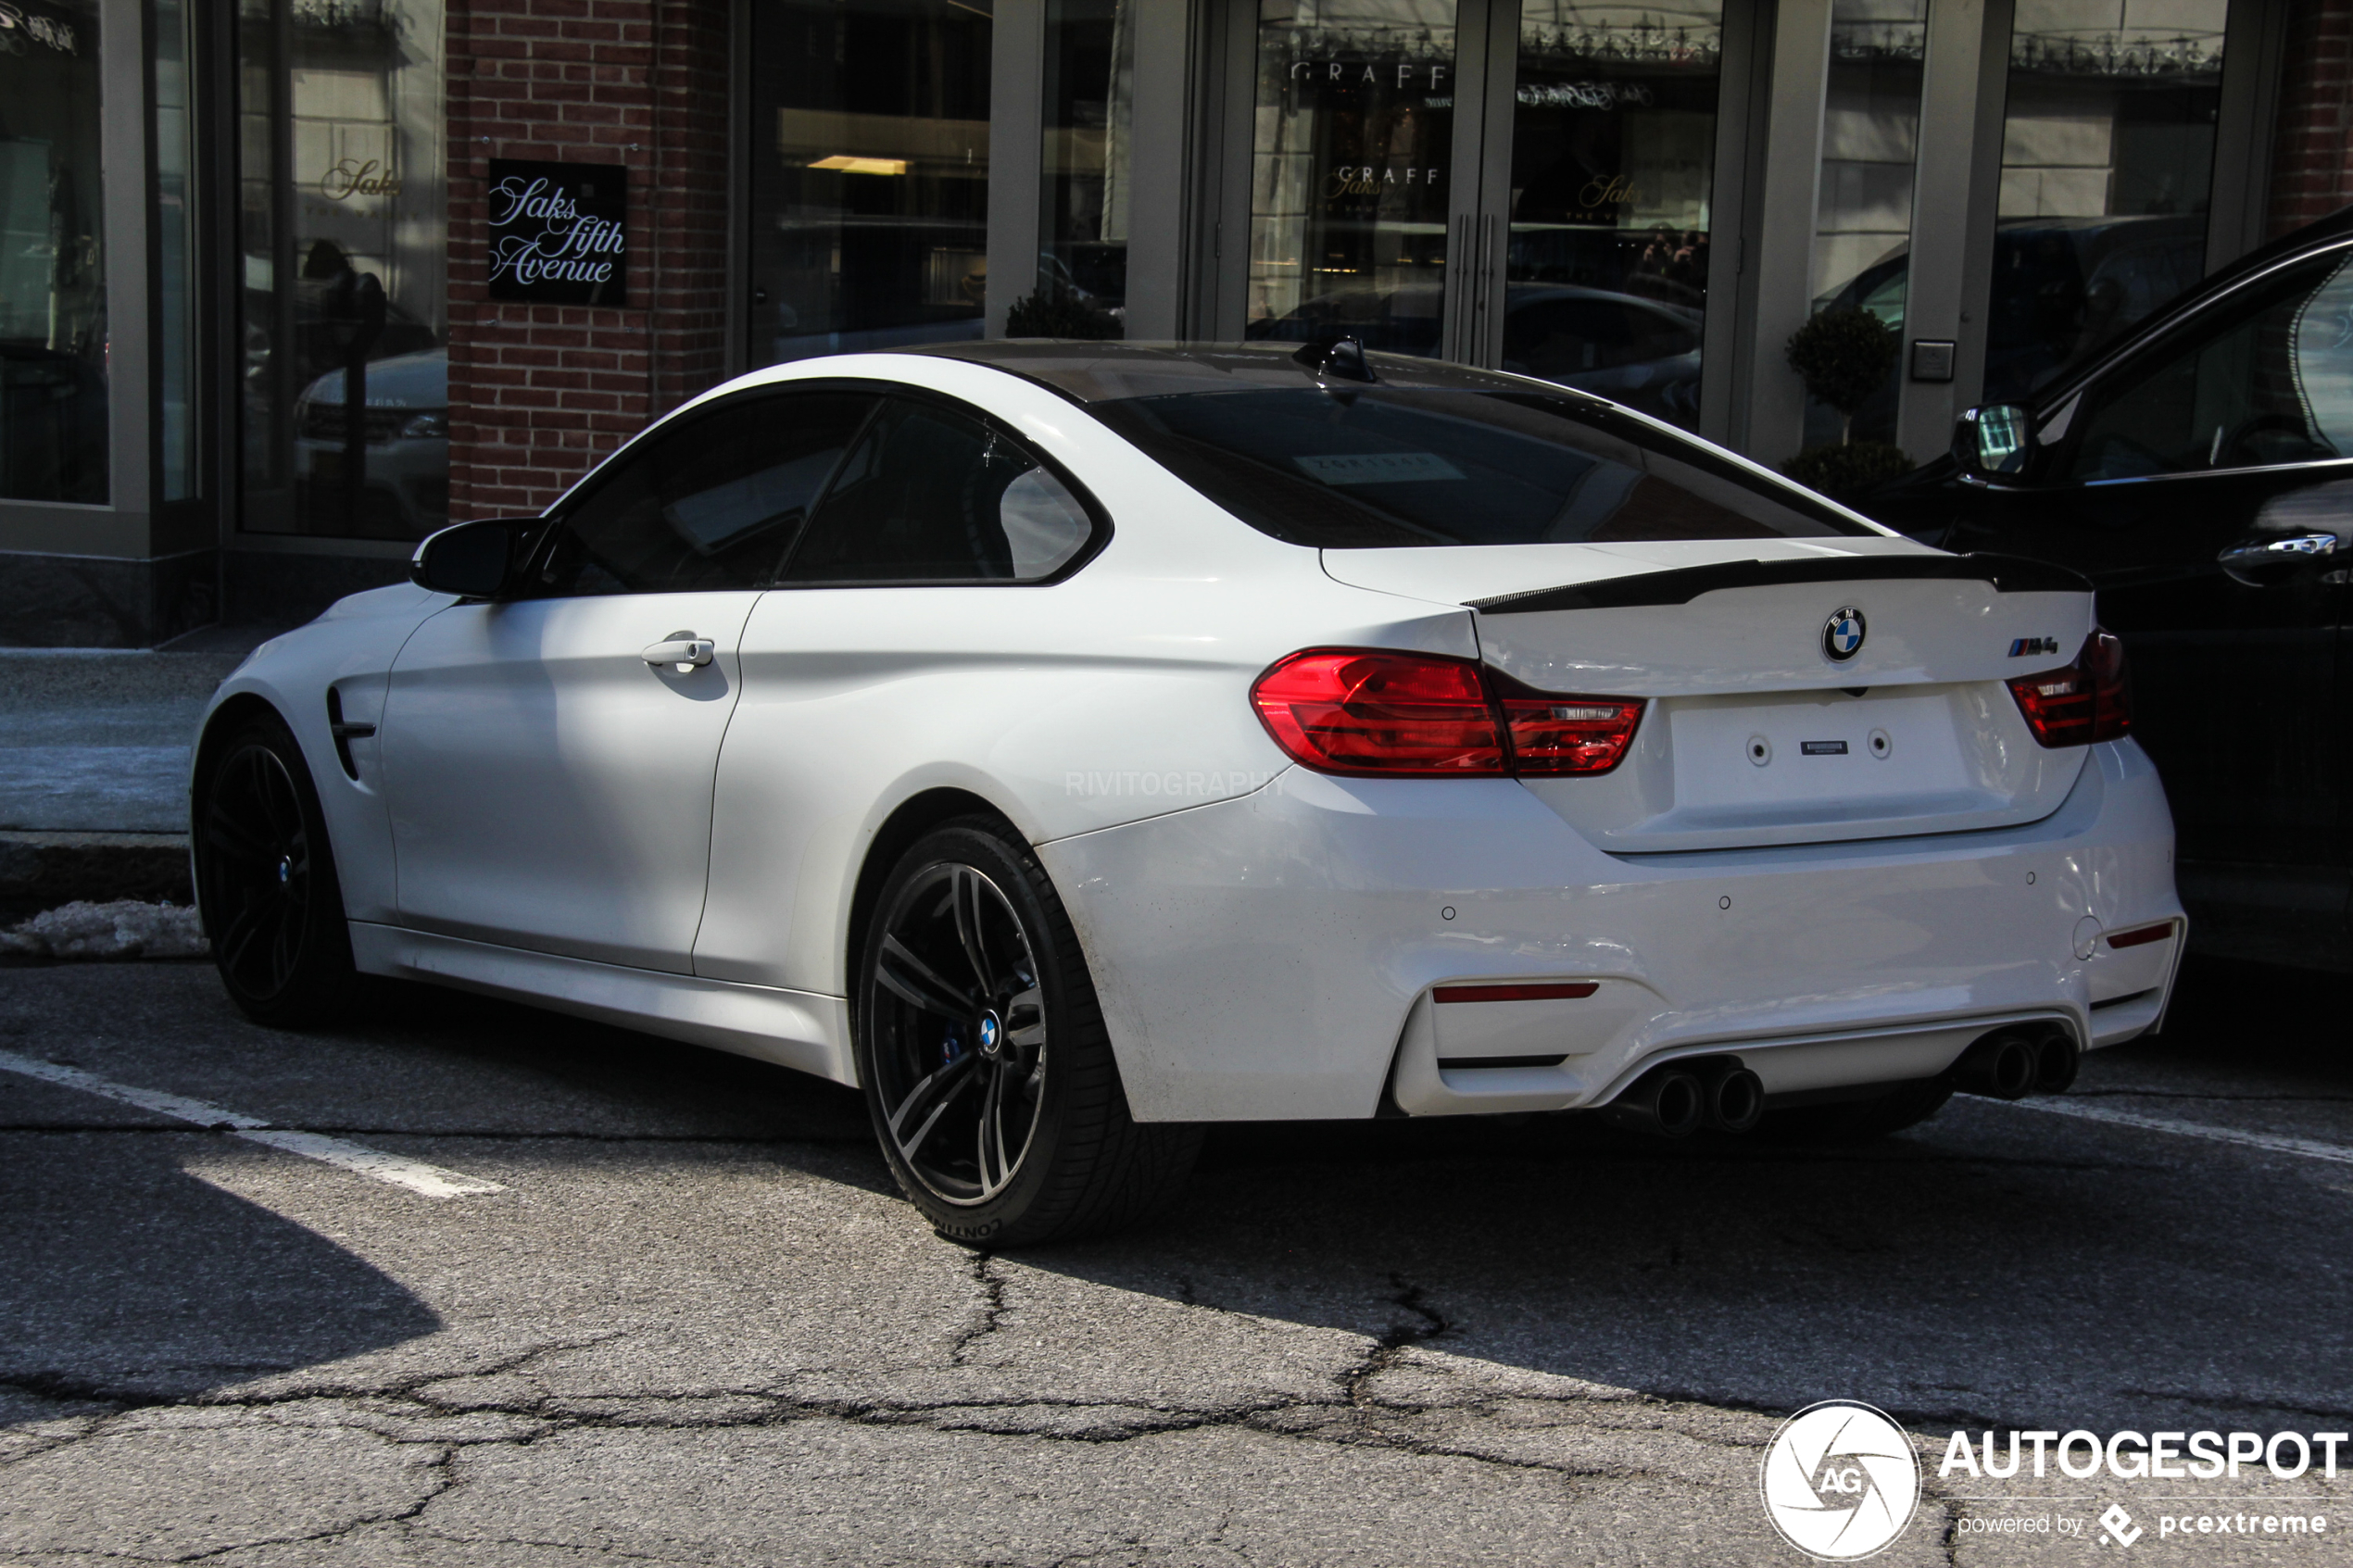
[
  {"x": 474, "y": 560},
  {"x": 1996, "y": 439}
]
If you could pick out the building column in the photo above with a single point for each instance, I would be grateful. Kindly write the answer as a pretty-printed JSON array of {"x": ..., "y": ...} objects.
[
  {"x": 1773, "y": 425},
  {"x": 1957, "y": 189},
  {"x": 1016, "y": 145}
]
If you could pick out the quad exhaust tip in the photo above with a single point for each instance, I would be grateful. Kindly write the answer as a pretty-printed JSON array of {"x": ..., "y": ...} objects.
[
  {"x": 2013, "y": 1064},
  {"x": 1678, "y": 1098}
]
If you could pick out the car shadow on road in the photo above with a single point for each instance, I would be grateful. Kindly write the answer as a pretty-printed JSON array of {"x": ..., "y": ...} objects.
[
  {"x": 1999, "y": 1266},
  {"x": 125, "y": 1280}
]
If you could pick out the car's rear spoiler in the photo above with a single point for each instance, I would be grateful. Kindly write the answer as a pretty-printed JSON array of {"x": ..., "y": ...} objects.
[{"x": 2008, "y": 575}]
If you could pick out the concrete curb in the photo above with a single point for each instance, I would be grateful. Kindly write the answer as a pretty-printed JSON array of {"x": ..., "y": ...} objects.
[{"x": 41, "y": 871}]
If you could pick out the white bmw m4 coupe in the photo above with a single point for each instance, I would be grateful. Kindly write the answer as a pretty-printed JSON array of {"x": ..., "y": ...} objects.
[{"x": 1072, "y": 744}]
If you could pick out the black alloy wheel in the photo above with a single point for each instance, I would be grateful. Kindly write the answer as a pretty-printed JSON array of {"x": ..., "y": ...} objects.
[
  {"x": 266, "y": 881},
  {"x": 988, "y": 1071}
]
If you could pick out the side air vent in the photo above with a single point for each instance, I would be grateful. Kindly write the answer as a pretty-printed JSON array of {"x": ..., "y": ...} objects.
[{"x": 345, "y": 734}]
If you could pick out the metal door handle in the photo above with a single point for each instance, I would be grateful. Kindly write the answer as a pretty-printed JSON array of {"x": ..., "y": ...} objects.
[
  {"x": 2258, "y": 561},
  {"x": 681, "y": 649}
]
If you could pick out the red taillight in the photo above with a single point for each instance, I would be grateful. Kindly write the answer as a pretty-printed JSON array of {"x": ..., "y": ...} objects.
[
  {"x": 1412, "y": 715},
  {"x": 1393, "y": 715},
  {"x": 2084, "y": 702},
  {"x": 1565, "y": 734}
]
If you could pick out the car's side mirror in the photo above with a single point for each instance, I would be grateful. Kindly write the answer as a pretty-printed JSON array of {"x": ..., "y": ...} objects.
[
  {"x": 474, "y": 560},
  {"x": 1996, "y": 439}
]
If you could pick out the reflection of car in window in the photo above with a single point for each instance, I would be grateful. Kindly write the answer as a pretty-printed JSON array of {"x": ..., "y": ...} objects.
[
  {"x": 405, "y": 491},
  {"x": 1639, "y": 352},
  {"x": 2063, "y": 288},
  {"x": 317, "y": 347}
]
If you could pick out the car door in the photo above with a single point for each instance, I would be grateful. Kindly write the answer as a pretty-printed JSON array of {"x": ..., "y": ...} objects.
[
  {"x": 2231, "y": 434},
  {"x": 887, "y": 642},
  {"x": 549, "y": 757}
]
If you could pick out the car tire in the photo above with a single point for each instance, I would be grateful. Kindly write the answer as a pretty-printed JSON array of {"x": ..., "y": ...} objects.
[
  {"x": 1860, "y": 1121},
  {"x": 266, "y": 881},
  {"x": 986, "y": 1064}
]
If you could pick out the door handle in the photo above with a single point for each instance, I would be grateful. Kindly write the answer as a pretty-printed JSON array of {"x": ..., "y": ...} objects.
[
  {"x": 682, "y": 651},
  {"x": 2259, "y": 563}
]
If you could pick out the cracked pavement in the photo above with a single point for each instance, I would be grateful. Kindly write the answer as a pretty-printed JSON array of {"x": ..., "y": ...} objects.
[{"x": 700, "y": 1327}]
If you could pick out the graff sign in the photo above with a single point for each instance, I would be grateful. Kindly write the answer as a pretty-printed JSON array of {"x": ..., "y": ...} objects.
[
  {"x": 1398, "y": 74},
  {"x": 558, "y": 233}
]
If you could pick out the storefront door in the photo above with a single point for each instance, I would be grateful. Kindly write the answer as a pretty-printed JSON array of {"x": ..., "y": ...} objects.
[{"x": 1529, "y": 184}]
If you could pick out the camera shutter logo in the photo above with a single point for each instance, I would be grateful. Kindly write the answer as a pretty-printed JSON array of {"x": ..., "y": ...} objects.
[{"x": 1840, "y": 1481}]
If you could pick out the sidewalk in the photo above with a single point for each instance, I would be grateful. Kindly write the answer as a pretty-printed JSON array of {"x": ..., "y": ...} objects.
[{"x": 94, "y": 766}]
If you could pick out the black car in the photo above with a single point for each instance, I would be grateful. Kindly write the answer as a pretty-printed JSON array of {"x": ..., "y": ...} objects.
[{"x": 2201, "y": 472}]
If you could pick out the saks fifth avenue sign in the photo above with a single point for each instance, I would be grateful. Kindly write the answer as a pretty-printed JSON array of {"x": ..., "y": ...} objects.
[{"x": 558, "y": 233}]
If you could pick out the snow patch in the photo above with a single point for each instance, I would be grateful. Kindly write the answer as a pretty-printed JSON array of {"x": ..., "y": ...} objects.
[{"x": 124, "y": 929}]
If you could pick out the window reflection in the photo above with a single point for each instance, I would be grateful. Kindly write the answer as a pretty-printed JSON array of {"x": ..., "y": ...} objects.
[
  {"x": 1349, "y": 171},
  {"x": 1084, "y": 192},
  {"x": 53, "y": 275},
  {"x": 1863, "y": 213},
  {"x": 344, "y": 227},
  {"x": 1613, "y": 164},
  {"x": 2107, "y": 161},
  {"x": 870, "y": 187}
]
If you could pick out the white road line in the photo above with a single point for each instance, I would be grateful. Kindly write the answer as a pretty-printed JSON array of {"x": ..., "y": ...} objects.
[
  {"x": 415, "y": 1176},
  {"x": 2307, "y": 1148}
]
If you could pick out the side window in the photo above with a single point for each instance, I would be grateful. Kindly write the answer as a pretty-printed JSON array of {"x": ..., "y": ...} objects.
[
  {"x": 933, "y": 495},
  {"x": 712, "y": 503},
  {"x": 2266, "y": 379}
]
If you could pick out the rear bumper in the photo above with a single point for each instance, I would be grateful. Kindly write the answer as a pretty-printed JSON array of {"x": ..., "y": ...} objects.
[{"x": 1275, "y": 956}]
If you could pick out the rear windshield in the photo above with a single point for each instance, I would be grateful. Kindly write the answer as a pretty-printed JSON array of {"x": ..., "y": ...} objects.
[{"x": 1381, "y": 467}]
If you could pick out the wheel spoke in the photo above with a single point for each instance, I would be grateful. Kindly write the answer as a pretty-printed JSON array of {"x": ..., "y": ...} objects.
[
  {"x": 995, "y": 1172},
  {"x": 1031, "y": 1034},
  {"x": 941, "y": 1085},
  {"x": 226, "y": 836},
  {"x": 908, "y": 1147},
  {"x": 918, "y": 985},
  {"x": 241, "y": 933},
  {"x": 968, "y": 896},
  {"x": 278, "y": 801},
  {"x": 284, "y": 942}
]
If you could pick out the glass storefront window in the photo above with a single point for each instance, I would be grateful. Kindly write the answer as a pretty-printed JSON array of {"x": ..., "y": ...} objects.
[
  {"x": 343, "y": 225},
  {"x": 1084, "y": 188},
  {"x": 870, "y": 176},
  {"x": 2108, "y": 165},
  {"x": 1613, "y": 162},
  {"x": 1349, "y": 170},
  {"x": 53, "y": 275},
  {"x": 1863, "y": 204}
]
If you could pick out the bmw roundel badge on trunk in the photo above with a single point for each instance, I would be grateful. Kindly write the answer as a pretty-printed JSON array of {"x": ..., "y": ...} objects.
[{"x": 1842, "y": 635}]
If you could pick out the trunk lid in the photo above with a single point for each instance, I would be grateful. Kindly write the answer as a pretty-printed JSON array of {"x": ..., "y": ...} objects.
[{"x": 1755, "y": 735}]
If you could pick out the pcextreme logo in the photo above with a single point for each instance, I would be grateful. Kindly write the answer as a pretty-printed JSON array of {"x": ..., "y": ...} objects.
[{"x": 1839, "y": 1480}]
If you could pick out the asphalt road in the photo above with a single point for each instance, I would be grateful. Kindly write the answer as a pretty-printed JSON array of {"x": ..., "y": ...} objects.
[{"x": 696, "y": 1325}]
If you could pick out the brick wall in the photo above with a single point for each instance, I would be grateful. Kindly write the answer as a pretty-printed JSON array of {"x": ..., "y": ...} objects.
[
  {"x": 538, "y": 392},
  {"x": 2313, "y": 160}
]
